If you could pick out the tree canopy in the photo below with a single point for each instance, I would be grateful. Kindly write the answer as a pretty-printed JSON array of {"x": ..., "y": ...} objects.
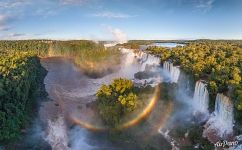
[
  {"x": 218, "y": 62},
  {"x": 115, "y": 100},
  {"x": 21, "y": 75}
]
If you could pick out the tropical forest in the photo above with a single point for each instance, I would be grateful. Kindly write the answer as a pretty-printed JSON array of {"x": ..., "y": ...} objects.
[{"x": 120, "y": 75}]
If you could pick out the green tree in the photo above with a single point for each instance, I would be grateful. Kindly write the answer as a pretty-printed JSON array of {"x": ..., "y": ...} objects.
[{"x": 115, "y": 100}]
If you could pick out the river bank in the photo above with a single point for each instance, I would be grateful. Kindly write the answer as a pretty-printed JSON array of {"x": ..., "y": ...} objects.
[
  {"x": 69, "y": 118},
  {"x": 66, "y": 113}
]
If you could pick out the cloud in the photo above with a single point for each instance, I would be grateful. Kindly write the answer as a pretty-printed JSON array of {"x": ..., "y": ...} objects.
[
  {"x": 17, "y": 34},
  {"x": 73, "y": 2},
  {"x": 4, "y": 28},
  {"x": 20, "y": 36},
  {"x": 108, "y": 14},
  {"x": 204, "y": 5},
  {"x": 46, "y": 12},
  {"x": 3, "y": 22},
  {"x": 13, "y": 3},
  {"x": 11, "y": 10},
  {"x": 118, "y": 35},
  {"x": 197, "y": 5},
  {"x": 3, "y": 18}
]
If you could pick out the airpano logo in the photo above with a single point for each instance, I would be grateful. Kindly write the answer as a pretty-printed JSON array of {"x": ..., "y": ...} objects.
[{"x": 226, "y": 143}]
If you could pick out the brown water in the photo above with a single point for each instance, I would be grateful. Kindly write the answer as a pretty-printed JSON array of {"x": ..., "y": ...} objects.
[
  {"x": 71, "y": 94},
  {"x": 68, "y": 119}
]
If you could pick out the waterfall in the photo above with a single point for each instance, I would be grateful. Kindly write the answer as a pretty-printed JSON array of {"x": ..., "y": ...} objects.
[
  {"x": 57, "y": 134},
  {"x": 134, "y": 61},
  {"x": 174, "y": 71},
  {"x": 201, "y": 97},
  {"x": 224, "y": 111},
  {"x": 222, "y": 118},
  {"x": 141, "y": 56},
  {"x": 149, "y": 64},
  {"x": 129, "y": 58},
  {"x": 146, "y": 60},
  {"x": 151, "y": 61}
]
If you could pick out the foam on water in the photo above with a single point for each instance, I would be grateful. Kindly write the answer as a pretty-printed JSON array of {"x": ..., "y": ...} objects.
[
  {"x": 222, "y": 118},
  {"x": 57, "y": 134}
]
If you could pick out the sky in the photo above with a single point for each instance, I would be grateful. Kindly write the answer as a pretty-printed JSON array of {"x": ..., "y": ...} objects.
[{"x": 120, "y": 19}]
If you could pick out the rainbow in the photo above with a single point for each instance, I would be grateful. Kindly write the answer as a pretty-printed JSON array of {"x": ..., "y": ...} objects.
[{"x": 139, "y": 118}]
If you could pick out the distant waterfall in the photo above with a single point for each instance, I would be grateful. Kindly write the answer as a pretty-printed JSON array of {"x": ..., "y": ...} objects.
[
  {"x": 146, "y": 60},
  {"x": 201, "y": 97},
  {"x": 134, "y": 61},
  {"x": 222, "y": 119},
  {"x": 174, "y": 71},
  {"x": 142, "y": 57}
]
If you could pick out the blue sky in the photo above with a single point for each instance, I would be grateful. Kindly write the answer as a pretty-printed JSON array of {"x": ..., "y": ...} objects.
[{"x": 120, "y": 19}]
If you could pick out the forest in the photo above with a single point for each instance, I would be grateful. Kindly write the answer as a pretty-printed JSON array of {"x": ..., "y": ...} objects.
[
  {"x": 21, "y": 75},
  {"x": 218, "y": 62},
  {"x": 91, "y": 57},
  {"x": 115, "y": 100}
]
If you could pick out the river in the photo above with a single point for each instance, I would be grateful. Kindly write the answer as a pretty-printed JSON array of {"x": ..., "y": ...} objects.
[
  {"x": 68, "y": 118},
  {"x": 69, "y": 113}
]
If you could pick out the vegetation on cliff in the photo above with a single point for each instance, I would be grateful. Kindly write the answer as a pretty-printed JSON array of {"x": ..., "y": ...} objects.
[
  {"x": 20, "y": 77},
  {"x": 218, "y": 62},
  {"x": 92, "y": 57},
  {"x": 21, "y": 74}
]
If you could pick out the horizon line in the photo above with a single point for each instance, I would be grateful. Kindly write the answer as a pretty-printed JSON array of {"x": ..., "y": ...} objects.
[{"x": 192, "y": 39}]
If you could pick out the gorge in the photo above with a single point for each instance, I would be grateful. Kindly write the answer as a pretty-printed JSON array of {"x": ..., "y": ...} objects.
[{"x": 68, "y": 118}]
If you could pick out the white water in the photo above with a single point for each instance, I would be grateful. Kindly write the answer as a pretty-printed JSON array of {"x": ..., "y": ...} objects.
[
  {"x": 166, "y": 135},
  {"x": 169, "y": 45},
  {"x": 166, "y": 45},
  {"x": 146, "y": 60},
  {"x": 110, "y": 44},
  {"x": 132, "y": 62},
  {"x": 173, "y": 71},
  {"x": 78, "y": 139},
  {"x": 57, "y": 134},
  {"x": 222, "y": 118},
  {"x": 201, "y": 97}
]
